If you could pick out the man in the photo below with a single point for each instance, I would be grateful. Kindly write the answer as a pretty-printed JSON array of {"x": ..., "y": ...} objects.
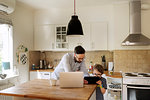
[{"x": 71, "y": 62}]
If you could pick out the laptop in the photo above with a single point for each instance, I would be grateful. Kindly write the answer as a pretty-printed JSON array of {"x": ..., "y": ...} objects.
[{"x": 71, "y": 79}]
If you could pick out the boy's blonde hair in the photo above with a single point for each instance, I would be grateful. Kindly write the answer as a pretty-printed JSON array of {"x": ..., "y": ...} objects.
[{"x": 99, "y": 68}]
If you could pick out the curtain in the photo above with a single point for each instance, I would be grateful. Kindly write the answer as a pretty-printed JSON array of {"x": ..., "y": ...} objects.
[{"x": 4, "y": 19}]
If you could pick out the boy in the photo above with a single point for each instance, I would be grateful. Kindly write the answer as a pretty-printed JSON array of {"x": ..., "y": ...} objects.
[{"x": 102, "y": 85}]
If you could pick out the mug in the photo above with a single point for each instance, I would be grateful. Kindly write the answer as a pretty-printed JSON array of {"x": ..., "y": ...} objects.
[{"x": 53, "y": 82}]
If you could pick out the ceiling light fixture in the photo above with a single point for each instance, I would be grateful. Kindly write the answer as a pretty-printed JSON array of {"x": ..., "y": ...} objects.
[{"x": 74, "y": 26}]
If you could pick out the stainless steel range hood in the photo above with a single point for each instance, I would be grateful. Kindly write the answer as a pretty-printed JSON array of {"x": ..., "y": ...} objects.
[{"x": 135, "y": 37}]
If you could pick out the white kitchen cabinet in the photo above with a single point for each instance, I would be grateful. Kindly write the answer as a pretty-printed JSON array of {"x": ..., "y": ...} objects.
[
  {"x": 83, "y": 40},
  {"x": 99, "y": 36},
  {"x": 39, "y": 75},
  {"x": 73, "y": 41},
  {"x": 44, "y": 75},
  {"x": 94, "y": 38},
  {"x": 33, "y": 75},
  {"x": 86, "y": 38},
  {"x": 53, "y": 37},
  {"x": 44, "y": 37}
]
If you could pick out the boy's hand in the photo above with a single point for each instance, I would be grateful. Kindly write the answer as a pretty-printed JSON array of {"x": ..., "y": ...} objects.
[
  {"x": 99, "y": 82},
  {"x": 85, "y": 82}
]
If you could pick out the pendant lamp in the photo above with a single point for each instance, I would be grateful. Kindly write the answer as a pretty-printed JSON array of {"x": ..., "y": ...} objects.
[{"x": 74, "y": 26}]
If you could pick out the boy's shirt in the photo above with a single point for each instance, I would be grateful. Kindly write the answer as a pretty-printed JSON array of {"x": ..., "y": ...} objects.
[{"x": 99, "y": 95}]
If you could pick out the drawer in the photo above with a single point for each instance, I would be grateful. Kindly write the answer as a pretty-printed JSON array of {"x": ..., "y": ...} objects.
[{"x": 44, "y": 75}]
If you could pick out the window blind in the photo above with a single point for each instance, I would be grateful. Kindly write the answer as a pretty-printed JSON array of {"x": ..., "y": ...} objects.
[{"x": 4, "y": 19}]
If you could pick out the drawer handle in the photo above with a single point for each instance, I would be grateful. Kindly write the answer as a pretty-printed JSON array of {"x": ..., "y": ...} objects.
[{"x": 46, "y": 74}]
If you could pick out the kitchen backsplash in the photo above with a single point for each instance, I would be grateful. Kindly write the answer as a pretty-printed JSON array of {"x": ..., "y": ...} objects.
[
  {"x": 124, "y": 60},
  {"x": 54, "y": 57},
  {"x": 34, "y": 58},
  {"x": 132, "y": 60}
]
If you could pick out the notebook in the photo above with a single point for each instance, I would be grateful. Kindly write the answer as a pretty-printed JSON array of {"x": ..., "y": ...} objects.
[{"x": 71, "y": 79}]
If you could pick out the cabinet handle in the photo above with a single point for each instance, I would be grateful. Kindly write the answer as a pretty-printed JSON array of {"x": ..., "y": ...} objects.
[
  {"x": 134, "y": 87},
  {"x": 46, "y": 74}
]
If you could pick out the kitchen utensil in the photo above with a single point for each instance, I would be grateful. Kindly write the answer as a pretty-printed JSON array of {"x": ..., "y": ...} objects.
[{"x": 110, "y": 67}]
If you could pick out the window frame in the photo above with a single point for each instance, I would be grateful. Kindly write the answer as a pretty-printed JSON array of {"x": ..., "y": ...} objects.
[{"x": 9, "y": 50}]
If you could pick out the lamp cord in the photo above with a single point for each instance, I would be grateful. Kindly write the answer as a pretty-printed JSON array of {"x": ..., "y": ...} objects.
[{"x": 74, "y": 8}]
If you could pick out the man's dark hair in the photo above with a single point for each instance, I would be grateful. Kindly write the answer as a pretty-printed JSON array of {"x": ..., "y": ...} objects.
[
  {"x": 79, "y": 50},
  {"x": 99, "y": 68}
]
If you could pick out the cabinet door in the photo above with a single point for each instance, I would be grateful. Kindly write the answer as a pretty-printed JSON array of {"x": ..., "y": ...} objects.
[
  {"x": 45, "y": 75},
  {"x": 61, "y": 40},
  {"x": 33, "y": 75},
  {"x": 83, "y": 40},
  {"x": 44, "y": 37},
  {"x": 73, "y": 41},
  {"x": 86, "y": 38},
  {"x": 99, "y": 36}
]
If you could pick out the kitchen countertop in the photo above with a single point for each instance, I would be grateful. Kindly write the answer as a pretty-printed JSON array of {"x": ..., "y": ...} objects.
[
  {"x": 43, "y": 70},
  {"x": 114, "y": 75},
  {"x": 41, "y": 89}
]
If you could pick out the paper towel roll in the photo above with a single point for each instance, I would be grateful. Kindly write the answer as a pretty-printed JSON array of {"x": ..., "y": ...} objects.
[{"x": 110, "y": 66}]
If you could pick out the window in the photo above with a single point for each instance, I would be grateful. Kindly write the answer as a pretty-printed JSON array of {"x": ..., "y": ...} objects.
[{"x": 6, "y": 49}]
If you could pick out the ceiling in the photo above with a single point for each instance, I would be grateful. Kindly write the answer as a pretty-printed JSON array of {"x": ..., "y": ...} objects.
[{"x": 47, "y": 4}]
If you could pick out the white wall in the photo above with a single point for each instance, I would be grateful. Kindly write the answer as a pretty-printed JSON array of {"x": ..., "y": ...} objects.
[{"x": 22, "y": 20}]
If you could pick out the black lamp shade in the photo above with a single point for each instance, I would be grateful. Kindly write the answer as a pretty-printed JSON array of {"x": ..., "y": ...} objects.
[{"x": 74, "y": 26}]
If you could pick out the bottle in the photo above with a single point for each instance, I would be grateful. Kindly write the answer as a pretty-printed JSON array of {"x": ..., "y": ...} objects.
[
  {"x": 104, "y": 62},
  {"x": 33, "y": 66},
  {"x": 41, "y": 64},
  {"x": 45, "y": 65},
  {"x": 91, "y": 67}
]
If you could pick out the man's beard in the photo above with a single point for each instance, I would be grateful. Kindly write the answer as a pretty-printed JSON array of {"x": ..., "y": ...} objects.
[{"x": 76, "y": 60}]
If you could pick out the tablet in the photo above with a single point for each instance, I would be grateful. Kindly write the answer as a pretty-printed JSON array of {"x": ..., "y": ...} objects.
[{"x": 92, "y": 79}]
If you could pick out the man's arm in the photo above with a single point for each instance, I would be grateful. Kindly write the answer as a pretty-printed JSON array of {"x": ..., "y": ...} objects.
[
  {"x": 83, "y": 68},
  {"x": 66, "y": 64}
]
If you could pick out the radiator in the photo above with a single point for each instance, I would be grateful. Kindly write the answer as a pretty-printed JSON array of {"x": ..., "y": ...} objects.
[{"x": 2, "y": 87}]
